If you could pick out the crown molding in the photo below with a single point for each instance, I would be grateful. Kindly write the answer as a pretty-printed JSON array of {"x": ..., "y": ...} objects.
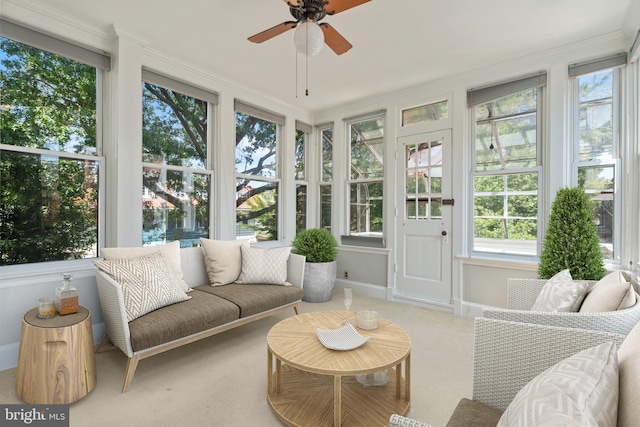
[
  {"x": 53, "y": 22},
  {"x": 119, "y": 32}
]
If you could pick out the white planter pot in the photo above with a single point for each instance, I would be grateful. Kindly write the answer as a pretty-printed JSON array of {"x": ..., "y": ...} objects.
[{"x": 319, "y": 278}]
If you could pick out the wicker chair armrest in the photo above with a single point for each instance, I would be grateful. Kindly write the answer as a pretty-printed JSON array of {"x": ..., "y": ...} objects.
[
  {"x": 522, "y": 293},
  {"x": 113, "y": 312},
  {"x": 509, "y": 354},
  {"x": 400, "y": 421}
]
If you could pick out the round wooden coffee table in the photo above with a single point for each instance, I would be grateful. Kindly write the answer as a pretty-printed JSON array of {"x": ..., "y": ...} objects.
[{"x": 311, "y": 385}]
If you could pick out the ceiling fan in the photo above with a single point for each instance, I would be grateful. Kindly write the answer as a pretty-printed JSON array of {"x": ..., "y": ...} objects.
[{"x": 311, "y": 12}]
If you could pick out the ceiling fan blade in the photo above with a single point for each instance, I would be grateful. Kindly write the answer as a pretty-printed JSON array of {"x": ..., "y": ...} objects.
[
  {"x": 293, "y": 3},
  {"x": 272, "y": 32},
  {"x": 334, "y": 39},
  {"x": 336, "y": 6}
]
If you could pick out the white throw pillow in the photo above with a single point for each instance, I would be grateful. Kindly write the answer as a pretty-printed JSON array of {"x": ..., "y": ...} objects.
[
  {"x": 264, "y": 266},
  {"x": 223, "y": 260},
  {"x": 613, "y": 292},
  {"x": 580, "y": 391},
  {"x": 561, "y": 293},
  {"x": 147, "y": 283},
  {"x": 170, "y": 251}
]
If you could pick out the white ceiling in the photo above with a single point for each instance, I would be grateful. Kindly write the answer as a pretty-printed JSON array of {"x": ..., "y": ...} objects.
[{"x": 396, "y": 43}]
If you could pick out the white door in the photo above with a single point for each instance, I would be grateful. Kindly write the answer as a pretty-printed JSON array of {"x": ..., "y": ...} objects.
[{"x": 424, "y": 217}]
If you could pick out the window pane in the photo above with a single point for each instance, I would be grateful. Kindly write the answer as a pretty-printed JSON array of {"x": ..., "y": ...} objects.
[
  {"x": 48, "y": 101},
  {"x": 255, "y": 146},
  {"x": 506, "y": 132},
  {"x": 599, "y": 183},
  {"x": 301, "y": 207},
  {"x": 49, "y": 203},
  {"x": 366, "y": 208},
  {"x": 367, "y": 149},
  {"x": 595, "y": 116},
  {"x": 300, "y": 154},
  {"x": 175, "y": 206},
  {"x": 505, "y": 213},
  {"x": 325, "y": 206},
  {"x": 174, "y": 128},
  {"x": 49, "y": 208},
  {"x": 257, "y": 207},
  {"x": 327, "y": 155},
  {"x": 425, "y": 113}
]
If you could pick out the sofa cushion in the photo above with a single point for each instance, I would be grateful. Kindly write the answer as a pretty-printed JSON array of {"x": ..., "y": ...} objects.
[
  {"x": 147, "y": 283},
  {"x": 561, "y": 293},
  {"x": 170, "y": 251},
  {"x": 613, "y": 292},
  {"x": 264, "y": 265},
  {"x": 629, "y": 368},
  {"x": 223, "y": 260},
  {"x": 253, "y": 299},
  {"x": 476, "y": 414},
  {"x": 579, "y": 391},
  {"x": 203, "y": 311}
]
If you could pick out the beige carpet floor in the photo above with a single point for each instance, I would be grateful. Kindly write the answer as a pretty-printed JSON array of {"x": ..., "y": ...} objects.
[{"x": 221, "y": 380}]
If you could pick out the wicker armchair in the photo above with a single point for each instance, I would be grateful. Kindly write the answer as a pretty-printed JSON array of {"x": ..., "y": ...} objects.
[
  {"x": 522, "y": 294},
  {"x": 507, "y": 355}
]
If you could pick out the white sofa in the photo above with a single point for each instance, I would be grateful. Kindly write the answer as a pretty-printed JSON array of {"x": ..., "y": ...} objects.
[{"x": 210, "y": 310}]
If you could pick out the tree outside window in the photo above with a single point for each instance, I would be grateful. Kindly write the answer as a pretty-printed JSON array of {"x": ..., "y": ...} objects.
[
  {"x": 326, "y": 177},
  {"x": 301, "y": 180},
  {"x": 257, "y": 179},
  {"x": 176, "y": 181},
  {"x": 48, "y": 164}
]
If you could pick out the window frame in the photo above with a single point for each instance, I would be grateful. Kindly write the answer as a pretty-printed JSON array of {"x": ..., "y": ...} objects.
[
  {"x": 370, "y": 239},
  {"x": 211, "y": 98},
  {"x": 279, "y": 121},
  {"x": 102, "y": 64},
  {"x": 477, "y": 97},
  {"x": 303, "y": 130},
  {"x": 576, "y": 71}
]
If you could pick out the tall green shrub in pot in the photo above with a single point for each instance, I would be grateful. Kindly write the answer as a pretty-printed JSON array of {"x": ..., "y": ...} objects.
[
  {"x": 320, "y": 249},
  {"x": 571, "y": 240}
]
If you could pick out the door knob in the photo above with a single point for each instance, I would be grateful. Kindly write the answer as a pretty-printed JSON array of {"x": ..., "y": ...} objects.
[{"x": 444, "y": 232}]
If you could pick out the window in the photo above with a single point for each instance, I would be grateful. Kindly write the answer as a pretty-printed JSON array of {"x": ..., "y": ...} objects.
[
  {"x": 506, "y": 168},
  {"x": 596, "y": 130},
  {"x": 303, "y": 131},
  {"x": 425, "y": 113},
  {"x": 176, "y": 176},
  {"x": 50, "y": 166},
  {"x": 257, "y": 173},
  {"x": 366, "y": 176},
  {"x": 326, "y": 175}
]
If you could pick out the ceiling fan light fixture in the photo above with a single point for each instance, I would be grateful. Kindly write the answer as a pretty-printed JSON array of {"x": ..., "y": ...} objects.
[{"x": 309, "y": 38}]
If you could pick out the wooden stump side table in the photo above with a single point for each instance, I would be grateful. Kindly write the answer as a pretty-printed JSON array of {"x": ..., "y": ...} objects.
[{"x": 56, "y": 362}]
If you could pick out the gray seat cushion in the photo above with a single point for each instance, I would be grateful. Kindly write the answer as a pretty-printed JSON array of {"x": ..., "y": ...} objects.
[
  {"x": 253, "y": 299},
  {"x": 203, "y": 311},
  {"x": 470, "y": 413}
]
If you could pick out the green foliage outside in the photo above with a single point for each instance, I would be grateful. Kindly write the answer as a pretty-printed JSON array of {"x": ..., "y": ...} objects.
[
  {"x": 571, "y": 240},
  {"x": 317, "y": 244},
  {"x": 48, "y": 203}
]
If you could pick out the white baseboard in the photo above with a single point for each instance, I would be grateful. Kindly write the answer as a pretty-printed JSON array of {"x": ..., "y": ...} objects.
[
  {"x": 365, "y": 289},
  {"x": 467, "y": 309}
]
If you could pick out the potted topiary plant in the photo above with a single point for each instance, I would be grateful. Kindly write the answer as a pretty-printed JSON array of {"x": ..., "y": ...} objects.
[
  {"x": 320, "y": 248},
  {"x": 571, "y": 240}
]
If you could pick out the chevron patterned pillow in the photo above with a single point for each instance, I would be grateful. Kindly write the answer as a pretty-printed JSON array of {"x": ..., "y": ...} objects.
[
  {"x": 580, "y": 391},
  {"x": 147, "y": 283}
]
